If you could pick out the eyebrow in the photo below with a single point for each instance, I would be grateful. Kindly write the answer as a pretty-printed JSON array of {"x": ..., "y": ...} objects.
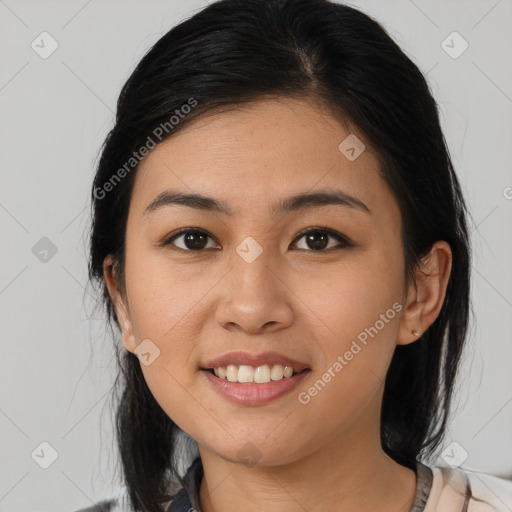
[{"x": 284, "y": 206}]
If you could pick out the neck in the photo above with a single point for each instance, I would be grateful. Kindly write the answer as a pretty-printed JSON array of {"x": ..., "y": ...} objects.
[{"x": 350, "y": 472}]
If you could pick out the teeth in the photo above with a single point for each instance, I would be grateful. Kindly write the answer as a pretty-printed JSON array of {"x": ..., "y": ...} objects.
[
  {"x": 232, "y": 373},
  {"x": 245, "y": 373},
  {"x": 277, "y": 372},
  {"x": 260, "y": 375}
]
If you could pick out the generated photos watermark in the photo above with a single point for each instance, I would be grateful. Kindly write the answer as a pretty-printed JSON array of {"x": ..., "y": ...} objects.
[
  {"x": 305, "y": 397},
  {"x": 158, "y": 133}
]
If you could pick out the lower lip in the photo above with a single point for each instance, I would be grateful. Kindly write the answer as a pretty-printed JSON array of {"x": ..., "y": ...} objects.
[{"x": 254, "y": 394}]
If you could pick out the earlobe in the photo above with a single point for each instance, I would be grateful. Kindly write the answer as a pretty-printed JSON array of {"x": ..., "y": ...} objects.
[
  {"x": 426, "y": 294},
  {"x": 120, "y": 307}
]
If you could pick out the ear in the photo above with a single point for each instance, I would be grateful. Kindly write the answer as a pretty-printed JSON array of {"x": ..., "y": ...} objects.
[
  {"x": 425, "y": 296},
  {"x": 121, "y": 308}
]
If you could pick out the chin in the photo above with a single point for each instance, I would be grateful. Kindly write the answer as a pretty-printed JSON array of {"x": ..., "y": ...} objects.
[{"x": 254, "y": 454}]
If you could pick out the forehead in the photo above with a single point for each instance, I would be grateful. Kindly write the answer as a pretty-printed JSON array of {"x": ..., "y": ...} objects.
[{"x": 258, "y": 153}]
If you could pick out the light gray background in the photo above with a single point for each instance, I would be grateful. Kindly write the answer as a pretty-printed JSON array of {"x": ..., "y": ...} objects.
[{"x": 57, "y": 360}]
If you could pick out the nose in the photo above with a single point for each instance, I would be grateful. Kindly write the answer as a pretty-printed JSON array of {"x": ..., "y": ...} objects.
[{"x": 255, "y": 299}]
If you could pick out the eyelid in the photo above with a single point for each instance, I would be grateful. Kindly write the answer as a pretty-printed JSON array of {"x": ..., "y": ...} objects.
[
  {"x": 168, "y": 240},
  {"x": 343, "y": 240}
]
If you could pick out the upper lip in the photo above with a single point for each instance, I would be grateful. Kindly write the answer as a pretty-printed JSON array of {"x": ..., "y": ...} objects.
[{"x": 254, "y": 360}]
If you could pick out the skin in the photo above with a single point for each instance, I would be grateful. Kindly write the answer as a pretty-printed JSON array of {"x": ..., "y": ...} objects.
[{"x": 310, "y": 305}]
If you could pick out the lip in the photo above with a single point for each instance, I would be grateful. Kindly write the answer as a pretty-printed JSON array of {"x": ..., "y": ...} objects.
[
  {"x": 255, "y": 360},
  {"x": 254, "y": 394}
]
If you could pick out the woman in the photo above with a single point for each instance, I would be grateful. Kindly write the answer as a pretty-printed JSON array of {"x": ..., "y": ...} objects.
[{"x": 280, "y": 236}]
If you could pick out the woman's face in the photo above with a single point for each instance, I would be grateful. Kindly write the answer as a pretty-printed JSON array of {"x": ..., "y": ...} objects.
[{"x": 252, "y": 283}]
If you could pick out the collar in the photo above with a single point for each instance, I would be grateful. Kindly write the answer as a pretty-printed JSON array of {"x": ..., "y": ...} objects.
[{"x": 188, "y": 497}]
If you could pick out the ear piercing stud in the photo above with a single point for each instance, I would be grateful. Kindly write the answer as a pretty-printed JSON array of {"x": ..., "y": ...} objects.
[{"x": 415, "y": 333}]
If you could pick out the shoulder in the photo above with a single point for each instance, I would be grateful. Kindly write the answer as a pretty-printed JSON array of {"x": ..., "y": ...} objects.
[
  {"x": 494, "y": 490},
  {"x": 458, "y": 489}
]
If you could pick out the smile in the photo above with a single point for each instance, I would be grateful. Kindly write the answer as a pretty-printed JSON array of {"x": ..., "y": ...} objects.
[
  {"x": 259, "y": 375},
  {"x": 252, "y": 393}
]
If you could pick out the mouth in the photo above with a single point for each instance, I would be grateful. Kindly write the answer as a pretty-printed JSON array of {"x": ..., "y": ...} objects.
[
  {"x": 259, "y": 390},
  {"x": 246, "y": 368},
  {"x": 246, "y": 374}
]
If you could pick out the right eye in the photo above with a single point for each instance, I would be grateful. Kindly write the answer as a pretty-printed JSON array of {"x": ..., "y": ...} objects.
[{"x": 193, "y": 239}]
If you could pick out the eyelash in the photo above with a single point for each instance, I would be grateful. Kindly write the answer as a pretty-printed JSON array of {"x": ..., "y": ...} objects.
[{"x": 344, "y": 241}]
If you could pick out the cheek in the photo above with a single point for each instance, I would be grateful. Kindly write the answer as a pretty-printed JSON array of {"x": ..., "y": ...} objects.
[
  {"x": 360, "y": 311},
  {"x": 358, "y": 308},
  {"x": 164, "y": 298},
  {"x": 349, "y": 298},
  {"x": 164, "y": 309}
]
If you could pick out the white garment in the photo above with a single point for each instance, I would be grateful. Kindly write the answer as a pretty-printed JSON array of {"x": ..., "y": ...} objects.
[{"x": 462, "y": 490}]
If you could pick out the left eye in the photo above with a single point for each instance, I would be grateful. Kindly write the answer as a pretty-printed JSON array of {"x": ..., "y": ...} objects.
[
  {"x": 194, "y": 240},
  {"x": 318, "y": 238}
]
